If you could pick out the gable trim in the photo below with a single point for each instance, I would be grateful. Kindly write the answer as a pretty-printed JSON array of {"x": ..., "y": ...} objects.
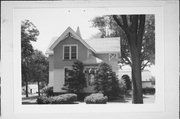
[{"x": 69, "y": 30}]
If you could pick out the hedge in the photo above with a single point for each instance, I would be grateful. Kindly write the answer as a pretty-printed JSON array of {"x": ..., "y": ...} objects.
[
  {"x": 60, "y": 99},
  {"x": 97, "y": 98}
]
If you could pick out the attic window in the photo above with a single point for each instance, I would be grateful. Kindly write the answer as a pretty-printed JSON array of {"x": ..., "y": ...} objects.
[{"x": 70, "y": 52}]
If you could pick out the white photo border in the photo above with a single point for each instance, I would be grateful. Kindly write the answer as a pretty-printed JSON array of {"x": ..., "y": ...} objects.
[{"x": 56, "y": 111}]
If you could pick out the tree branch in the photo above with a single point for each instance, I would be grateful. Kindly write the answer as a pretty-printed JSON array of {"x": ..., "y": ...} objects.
[
  {"x": 119, "y": 23},
  {"x": 144, "y": 65},
  {"x": 126, "y": 58},
  {"x": 140, "y": 31},
  {"x": 135, "y": 23},
  {"x": 124, "y": 18}
]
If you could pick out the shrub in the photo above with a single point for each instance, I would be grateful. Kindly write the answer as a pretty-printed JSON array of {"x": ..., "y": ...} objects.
[
  {"x": 97, "y": 98},
  {"x": 76, "y": 80},
  {"x": 43, "y": 100},
  {"x": 148, "y": 90},
  {"x": 106, "y": 81},
  {"x": 48, "y": 91},
  {"x": 64, "y": 99},
  {"x": 61, "y": 99}
]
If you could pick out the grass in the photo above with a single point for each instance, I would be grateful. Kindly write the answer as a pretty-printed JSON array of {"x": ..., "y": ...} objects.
[{"x": 127, "y": 99}]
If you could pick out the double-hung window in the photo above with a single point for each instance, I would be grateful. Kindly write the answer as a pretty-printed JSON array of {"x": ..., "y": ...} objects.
[{"x": 70, "y": 52}]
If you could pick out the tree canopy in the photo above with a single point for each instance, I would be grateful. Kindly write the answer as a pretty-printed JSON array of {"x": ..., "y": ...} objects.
[
  {"x": 29, "y": 33},
  {"x": 75, "y": 78},
  {"x": 108, "y": 28}
]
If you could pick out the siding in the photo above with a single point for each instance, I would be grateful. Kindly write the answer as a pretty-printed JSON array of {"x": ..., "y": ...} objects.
[
  {"x": 113, "y": 62},
  {"x": 59, "y": 63},
  {"x": 51, "y": 70}
]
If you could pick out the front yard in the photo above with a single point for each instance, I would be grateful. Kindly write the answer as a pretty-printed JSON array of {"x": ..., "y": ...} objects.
[{"x": 146, "y": 98}]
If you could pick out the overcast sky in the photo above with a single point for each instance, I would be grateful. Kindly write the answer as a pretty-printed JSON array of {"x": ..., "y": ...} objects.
[{"x": 53, "y": 22}]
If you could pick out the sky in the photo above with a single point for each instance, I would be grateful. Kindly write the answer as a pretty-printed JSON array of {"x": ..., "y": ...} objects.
[{"x": 53, "y": 22}]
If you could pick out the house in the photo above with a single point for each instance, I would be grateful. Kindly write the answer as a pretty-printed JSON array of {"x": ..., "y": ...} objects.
[
  {"x": 70, "y": 46},
  {"x": 147, "y": 77}
]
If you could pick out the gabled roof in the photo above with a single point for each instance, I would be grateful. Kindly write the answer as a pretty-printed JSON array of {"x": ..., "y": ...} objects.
[
  {"x": 92, "y": 60},
  {"x": 64, "y": 34},
  {"x": 96, "y": 45},
  {"x": 105, "y": 45}
]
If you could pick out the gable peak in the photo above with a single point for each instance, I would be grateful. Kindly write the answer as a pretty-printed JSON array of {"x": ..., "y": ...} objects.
[{"x": 78, "y": 32}]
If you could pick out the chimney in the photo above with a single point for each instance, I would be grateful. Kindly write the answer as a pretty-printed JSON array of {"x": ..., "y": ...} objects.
[{"x": 78, "y": 32}]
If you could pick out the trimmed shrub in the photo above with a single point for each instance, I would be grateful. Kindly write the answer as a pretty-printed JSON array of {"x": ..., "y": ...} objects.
[
  {"x": 48, "y": 91},
  {"x": 148, "y": 90},
  {"x": 106, "y": 81},
  {"x": 61, "y": 99},
  {"x": 64, "y": 99},
  {"x": 97, "y": 98},
  {"x": 43, "y": 100}
]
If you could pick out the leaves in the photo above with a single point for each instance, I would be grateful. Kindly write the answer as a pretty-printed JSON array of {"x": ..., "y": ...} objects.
[
  {"x": 76, "y": 80},
  {"x": 106, "y": 81},
  {"x": 109, "y": 27}
]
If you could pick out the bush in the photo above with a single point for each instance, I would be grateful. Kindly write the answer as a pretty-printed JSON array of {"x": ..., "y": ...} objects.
[
  {"x": 97, "y": 98},
  {"x": 64, "y": 99},
  {"x": 61, "y": 99},
  {"x": 43, "y": 100},
  {"x": 106, "y": 81},
  {"x": 48, "y": 91},
  {"x": 148, "y": 90}
]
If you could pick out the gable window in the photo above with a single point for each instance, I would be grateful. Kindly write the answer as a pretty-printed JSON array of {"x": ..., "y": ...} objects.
[
  {"x": 66, "y": 52},
  {"x": 70, "y": 52},
  {"x": 73, "y": 52}
]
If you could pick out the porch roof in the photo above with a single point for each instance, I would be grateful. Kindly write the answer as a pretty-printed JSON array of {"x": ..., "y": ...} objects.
[{"x": 92, "y": 60}]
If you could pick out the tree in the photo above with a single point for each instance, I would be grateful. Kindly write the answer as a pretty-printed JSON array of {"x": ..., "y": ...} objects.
[
  {"x": 106, "y": 81},
  {"x": 39, "y": 69},
  {"x": 127, "y": 82},
  {"x": 76, "y": 78},
  {"x": 133, "y": 26},
  {"x": 109, "y": 28},
  {"x": 29, "y": 33},
  {"x": 137, "y": 43}
]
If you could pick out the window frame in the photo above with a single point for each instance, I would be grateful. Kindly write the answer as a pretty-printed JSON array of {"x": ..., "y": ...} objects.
[{"x": 70, "y": 47}]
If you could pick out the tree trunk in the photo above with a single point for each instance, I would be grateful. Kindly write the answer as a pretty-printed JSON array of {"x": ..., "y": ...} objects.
[
  {"x": 136, "y": 76},
  {"x": 26, "y": 85},
  {"x": 38, "y": 87}
]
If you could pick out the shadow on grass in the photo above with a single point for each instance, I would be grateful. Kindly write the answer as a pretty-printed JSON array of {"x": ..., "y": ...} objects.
[
  {"x": 118, "y": 100},
  {"x": 27, "y": 102},
  {"x": 30, "y": 98}
]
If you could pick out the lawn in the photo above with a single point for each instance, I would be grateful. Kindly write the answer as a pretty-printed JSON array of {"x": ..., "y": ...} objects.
[{"x": 146, "y": 98}]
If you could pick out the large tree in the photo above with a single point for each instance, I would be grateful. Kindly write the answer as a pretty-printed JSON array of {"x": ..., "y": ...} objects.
[
  {"x": 29, "y": 33},
  {"x": 109, "y": 28},
  {"x": 133, "y": 27},
  {"x": 137, "y": 43},
  {"x": 39, "y": 69}
]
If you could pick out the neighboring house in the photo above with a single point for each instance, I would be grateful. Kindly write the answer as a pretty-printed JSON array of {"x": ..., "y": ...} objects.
[
  {"x": 70, "y": 46},
  {"x": 147, "y": 77}
]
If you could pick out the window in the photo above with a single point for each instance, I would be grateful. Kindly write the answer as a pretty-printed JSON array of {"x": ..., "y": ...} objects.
[
  {"x": 70, "y": 52},
  {"x": 66, "y": 52},
  {"x": 73, "y": 52}
]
